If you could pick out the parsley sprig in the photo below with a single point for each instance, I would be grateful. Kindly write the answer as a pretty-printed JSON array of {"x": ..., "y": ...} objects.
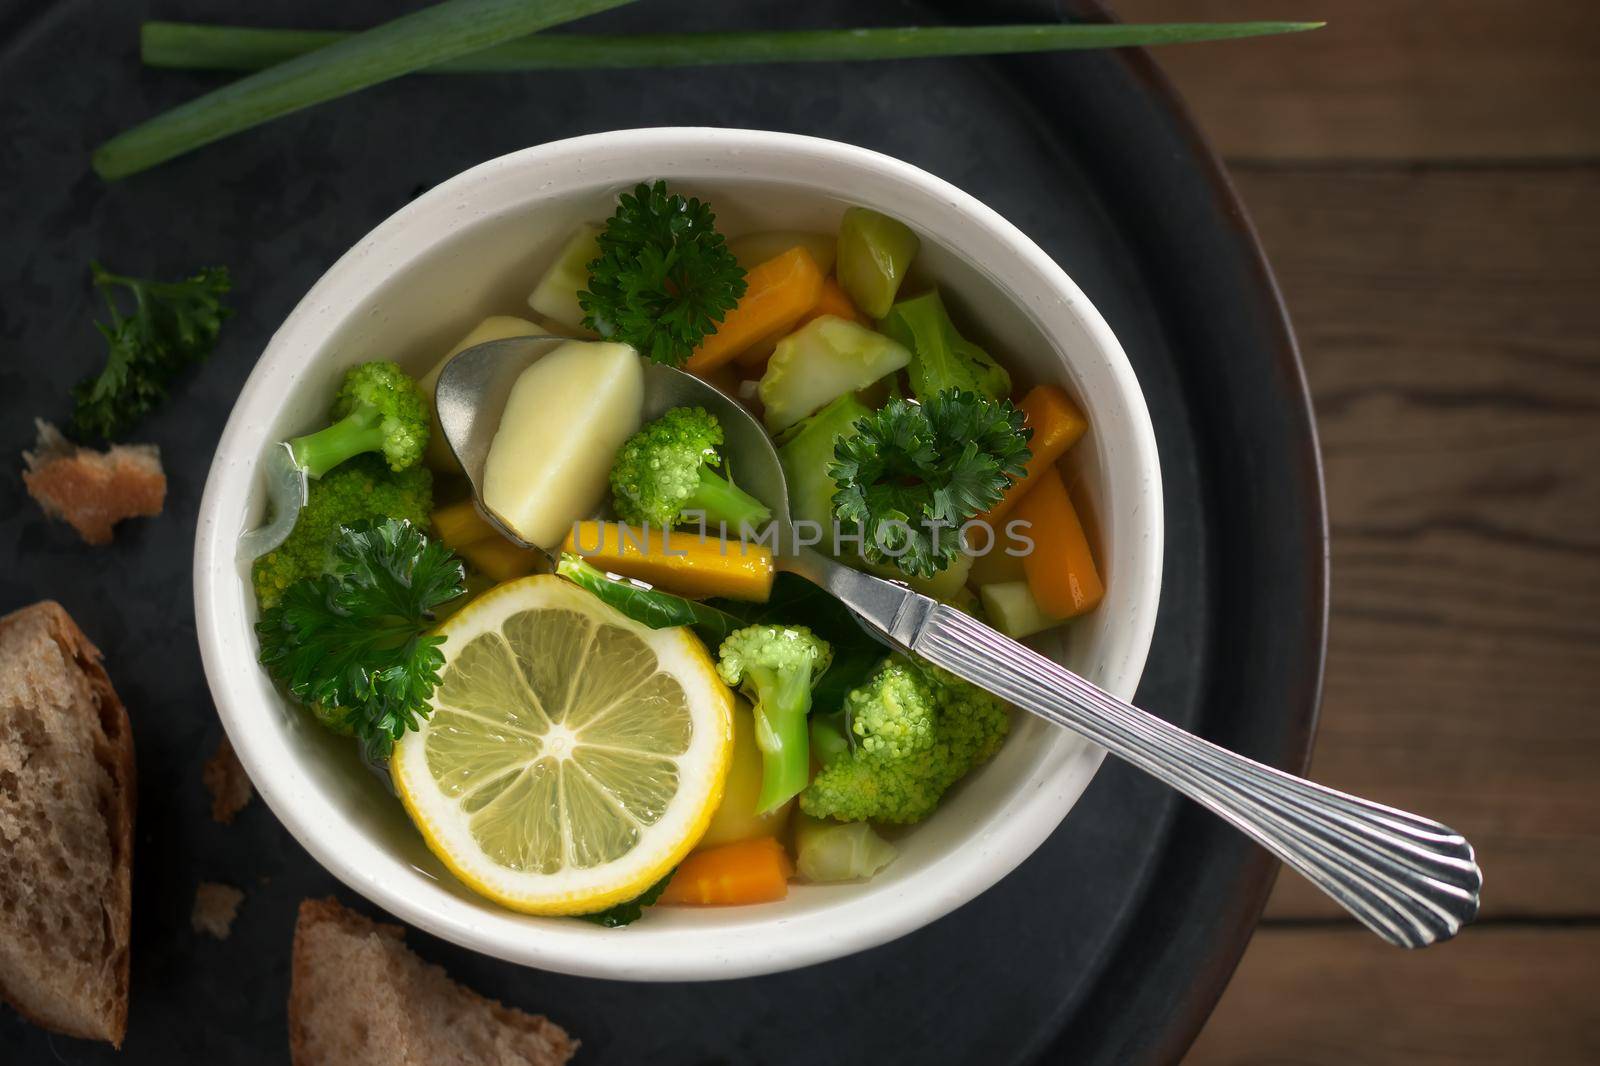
[
  {"x": 664, "y": 277},
  {"x": 356, "y": 638},
  {"x": 173, "y": 324},
  {"x": 913, "y": 473},
  {"x": 630, "y": 910}
]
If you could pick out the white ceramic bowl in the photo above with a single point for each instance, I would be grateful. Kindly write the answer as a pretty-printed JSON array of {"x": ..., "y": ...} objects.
[{"x": 474, "y": 246}]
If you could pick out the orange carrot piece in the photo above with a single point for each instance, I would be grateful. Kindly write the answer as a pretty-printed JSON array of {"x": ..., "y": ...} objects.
[
  {"x": 1060, "y": 569},
  {"x": 682, "y": 562},
  {"x": 831, "y": 300},
  {"x": 776, "y": 294},
  {"x": 749, "y": 871},
  {"x": 459, "y": 524},
  {"x": 498, "y": 559},
  {"x": 1057, "y": 425}
]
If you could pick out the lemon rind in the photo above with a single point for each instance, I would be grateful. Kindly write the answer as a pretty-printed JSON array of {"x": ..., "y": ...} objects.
[{"x": 480, "y": 877}]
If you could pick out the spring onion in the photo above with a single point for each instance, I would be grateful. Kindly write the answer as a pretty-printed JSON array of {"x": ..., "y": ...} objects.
[
  {"x": 197, "y": 46},
  {"x": 412, "y": 42}
]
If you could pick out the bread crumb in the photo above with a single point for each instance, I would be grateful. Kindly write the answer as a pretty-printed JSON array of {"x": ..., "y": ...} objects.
[
  {"x": 227, "y": 782},
  {"x": 215, "y": 907},
  {"x": 90, "y": 490}
]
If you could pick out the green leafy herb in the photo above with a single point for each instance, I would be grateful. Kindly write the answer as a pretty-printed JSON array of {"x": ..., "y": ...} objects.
[
  {"x": 648, "y": 606},
  {"x": 357, "y": 638},
  {"x": 198, "y": 46},
  {"x": 173, "y": 325},
  {"x": 630, "y": 910},
  {"x": 912, "y": 474},
  {"x": 664, "y": 278},
  {"x": 411, "y": 42}
]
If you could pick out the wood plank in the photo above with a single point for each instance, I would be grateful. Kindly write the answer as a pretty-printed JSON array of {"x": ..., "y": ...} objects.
[
  {"x": 1318, "y": 996},
  {"x": 1451, "y": 329},
  {"x": 1394, "y": 79}
]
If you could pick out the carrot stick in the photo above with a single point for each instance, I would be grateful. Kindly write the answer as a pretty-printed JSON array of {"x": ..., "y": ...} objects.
[
  {"x": 459, "y": 524},
  {"x": 776, "y": 294},
  {"x": 1057, "y": 425},
  {"x": 681, "y": 562},
  {"x": 750, "y": 871},
  {"x": 498, "y": 559},
  {"x": 831, "y": 300},
  {"x": 1060, "y": 569}
]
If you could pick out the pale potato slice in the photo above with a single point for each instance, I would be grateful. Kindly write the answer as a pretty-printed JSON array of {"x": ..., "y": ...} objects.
[
  {"x": 494, "y": 328},
  {"x": 566, "y": 417},
  {"x": 556, "y": 295}
]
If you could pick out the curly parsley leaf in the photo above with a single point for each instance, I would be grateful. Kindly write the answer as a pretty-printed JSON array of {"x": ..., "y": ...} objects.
[
  {"x": 913, "y": 474},
  {"x": 356, "y": 638},
  {"x": 664, "y": 278},
  {"x": 630, "y": 910},
  {"x": 173, "y": 325}
]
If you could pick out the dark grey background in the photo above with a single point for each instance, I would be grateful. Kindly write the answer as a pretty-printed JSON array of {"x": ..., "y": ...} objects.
[{"x": 1113, "y": 940}]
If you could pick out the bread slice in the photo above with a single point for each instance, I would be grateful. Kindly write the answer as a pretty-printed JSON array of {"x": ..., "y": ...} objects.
[
  {"x": 66, "y": 828},
  {"x": 359, "y": 997}
]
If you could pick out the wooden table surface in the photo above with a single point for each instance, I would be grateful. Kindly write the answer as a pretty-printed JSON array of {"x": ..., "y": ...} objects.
[{"x": 1425, "y": 176}]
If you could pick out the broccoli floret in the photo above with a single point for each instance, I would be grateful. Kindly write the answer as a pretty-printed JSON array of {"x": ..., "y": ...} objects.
[
  {"x": 361, "y": 489},
  {"x": 942, "y": 358},
  {"x": 916, "y": 731},
  {"x": 776, "y": 667},
  {"x": 335, "y": 720},
  {"x": 378, "y": 409},
  {"x": 663, "y": 475}
]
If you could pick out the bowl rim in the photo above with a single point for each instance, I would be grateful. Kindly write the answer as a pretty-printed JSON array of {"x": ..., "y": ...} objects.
[{"x": 786, "y": 943}]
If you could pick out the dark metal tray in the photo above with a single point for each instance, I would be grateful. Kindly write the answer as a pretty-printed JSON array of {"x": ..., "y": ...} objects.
[{"x": 1112, "y": 943}]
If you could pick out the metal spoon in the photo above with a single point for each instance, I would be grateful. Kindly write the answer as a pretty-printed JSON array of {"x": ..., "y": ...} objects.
[{"x": 1409, "y": 879}]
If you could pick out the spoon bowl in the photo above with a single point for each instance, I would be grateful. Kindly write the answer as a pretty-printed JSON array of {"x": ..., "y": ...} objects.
[{"x": 471, "y": 399}]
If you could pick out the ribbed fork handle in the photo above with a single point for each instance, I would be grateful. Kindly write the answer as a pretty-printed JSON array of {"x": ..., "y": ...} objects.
[{"x": 1408, "y": 879}]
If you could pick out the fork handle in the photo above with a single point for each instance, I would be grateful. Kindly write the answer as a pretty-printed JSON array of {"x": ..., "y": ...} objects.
[{"x": 1407, "y": 878}]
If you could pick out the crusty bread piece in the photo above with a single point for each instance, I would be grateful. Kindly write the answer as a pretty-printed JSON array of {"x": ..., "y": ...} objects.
[
  {"x": 93, "y": 491},
  {"x": 358, "y": 997},
  {"x": 227, "y": 782},
  {"x": 66, "y": 828}
]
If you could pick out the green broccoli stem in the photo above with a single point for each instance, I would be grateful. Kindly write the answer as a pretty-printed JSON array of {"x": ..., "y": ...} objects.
[
  {"x": 359, "y": 431},
  {"x": 782, "y": 734},
  {"x": 828, "y": 738},
  {"x": 722, "y": 501}
]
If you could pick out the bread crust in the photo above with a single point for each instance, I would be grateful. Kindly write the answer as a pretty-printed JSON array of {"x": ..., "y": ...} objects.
[
  {"x": 315, "y": 912},
  {"x": 114, "y": 750}
]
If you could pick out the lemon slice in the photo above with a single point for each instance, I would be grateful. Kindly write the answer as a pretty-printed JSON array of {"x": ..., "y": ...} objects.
[{"x": 573, "y": 756}]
